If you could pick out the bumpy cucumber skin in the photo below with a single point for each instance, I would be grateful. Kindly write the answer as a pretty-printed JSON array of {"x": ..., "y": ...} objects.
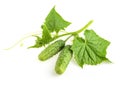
[
  {"x": 63, "y": 60},
  {"x": 51, "y": 50}
]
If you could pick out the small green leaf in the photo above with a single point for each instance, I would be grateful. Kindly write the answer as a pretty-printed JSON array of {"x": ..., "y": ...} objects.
[
  {"x": 91, "y": 50},
  {"x": 55, "y": 22},
  {"x": 38, "y": 43},
  {"x": 46, "y": 38}
]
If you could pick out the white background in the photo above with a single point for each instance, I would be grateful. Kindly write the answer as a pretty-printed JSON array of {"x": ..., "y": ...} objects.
[{"x": 20, "y": 66}]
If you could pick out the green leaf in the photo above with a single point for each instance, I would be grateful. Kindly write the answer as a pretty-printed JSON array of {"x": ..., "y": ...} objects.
[
  {"x": 46, "y": 38},
  {"x": 38, "y": 43},
  {"x": 55, "y": 22},
  {"x": 91, "y": 50}
]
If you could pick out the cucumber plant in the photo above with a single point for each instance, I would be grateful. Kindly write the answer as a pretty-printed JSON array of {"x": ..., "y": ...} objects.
[{"x": 90, "y": 50}]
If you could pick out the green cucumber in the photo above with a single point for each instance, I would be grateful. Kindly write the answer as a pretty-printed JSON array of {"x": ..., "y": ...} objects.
[
  {"x": 63, "y": 59},
  {"x": 51, "y": 50}
]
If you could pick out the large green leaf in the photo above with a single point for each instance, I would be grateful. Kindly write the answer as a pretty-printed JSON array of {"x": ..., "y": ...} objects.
[
  {"x": 91, "y": 50},
  {"x": 55, "y": 22}
]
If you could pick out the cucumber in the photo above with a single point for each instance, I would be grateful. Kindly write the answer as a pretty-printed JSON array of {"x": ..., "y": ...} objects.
[
  {"x": 51, "y": 50},
  {"x": 63, "y": 60}
]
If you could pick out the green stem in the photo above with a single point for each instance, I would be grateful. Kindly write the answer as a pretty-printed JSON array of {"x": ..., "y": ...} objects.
[
  {"x": 86, "y": 26},
  {"x": 17, "y": 43},
  {"x": 68, "y": 38},
  {"x": 56, "y": 37},
  {"x": 76, "y": 32},
  {"x": 22, "y": 39}
]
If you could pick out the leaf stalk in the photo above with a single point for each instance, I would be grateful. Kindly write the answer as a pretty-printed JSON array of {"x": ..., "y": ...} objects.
[{"x": 75, "y": 32}]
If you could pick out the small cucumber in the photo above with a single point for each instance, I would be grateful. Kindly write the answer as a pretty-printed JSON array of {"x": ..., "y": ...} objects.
[
  {"x": 51, "y": 50},
  {"x": 63, "y": 59}
]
